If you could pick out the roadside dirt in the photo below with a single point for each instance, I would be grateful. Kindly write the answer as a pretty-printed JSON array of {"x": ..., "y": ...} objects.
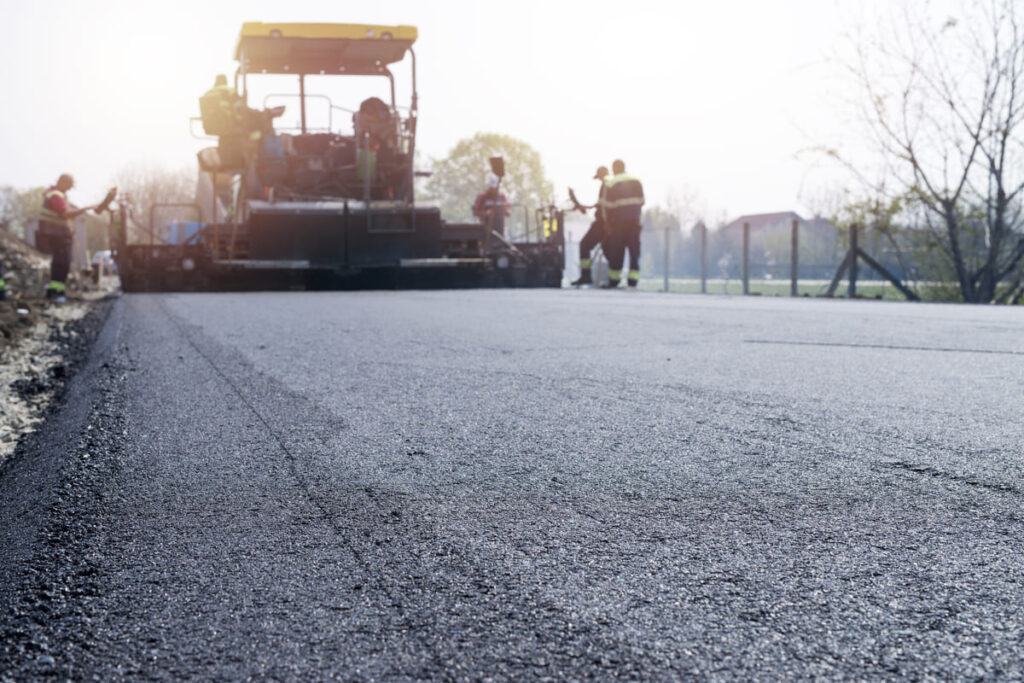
[
  {"x": 17, "y": 319},
  {"x": 32, "y": 368},
  {"x": 40, "y": 341}
]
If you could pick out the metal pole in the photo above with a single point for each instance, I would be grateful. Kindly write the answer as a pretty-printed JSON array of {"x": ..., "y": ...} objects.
[
  {"x": 216, "y": 230},
  {"x": 703, "y": 258},
  {"x": 667, "y": 238},
  {"x": 853, "y": 260},
  {"x": 302, "y": 102},
  {"x": 839, "y": 273},
  {"x": 366, "y": 173},
  {"x": 746, "y": 258},
  {"x": 794, "y": 260},
  {"x": 122, "y": 237},
  {"x": 872, "y": 263},
  {"x": 411, "y": 123}
]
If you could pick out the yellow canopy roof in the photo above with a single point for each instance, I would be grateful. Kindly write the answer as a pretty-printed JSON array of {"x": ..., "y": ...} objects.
[{"x": 322, "y": 48}]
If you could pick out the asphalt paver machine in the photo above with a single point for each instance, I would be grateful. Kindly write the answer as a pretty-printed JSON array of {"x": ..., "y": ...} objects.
[{"x": 324, "y": 204}]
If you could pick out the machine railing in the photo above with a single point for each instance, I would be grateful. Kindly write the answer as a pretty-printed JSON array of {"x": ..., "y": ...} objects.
[{"x": 330, "y": 110}]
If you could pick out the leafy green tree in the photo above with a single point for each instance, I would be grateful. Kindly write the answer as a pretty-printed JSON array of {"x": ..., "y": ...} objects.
[{"x": 461, "y": 176}]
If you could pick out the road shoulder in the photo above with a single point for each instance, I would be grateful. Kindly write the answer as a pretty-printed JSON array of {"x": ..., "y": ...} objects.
[{"x": 41, "y": 478}]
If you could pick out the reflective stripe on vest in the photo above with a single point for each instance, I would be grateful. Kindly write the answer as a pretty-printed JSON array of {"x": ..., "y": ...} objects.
[
  {"x": 625, "y": 201},
  {"x": 48, "y": 214},
  {"x": 613, "y": 180},
  {"x": 221, "y": 90},
  {"x": 623, "y": 197}
]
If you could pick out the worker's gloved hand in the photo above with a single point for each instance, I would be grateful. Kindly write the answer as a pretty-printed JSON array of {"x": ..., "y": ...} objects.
[{"x": 105, "y": 204}]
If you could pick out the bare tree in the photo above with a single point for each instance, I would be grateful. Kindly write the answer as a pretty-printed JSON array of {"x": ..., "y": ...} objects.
[
  {"x": 688, "y": 205},
  {"x": 143, "y": 185},
  {"x": 18, "y": 207},
  {"x": 944, "y": 100}
]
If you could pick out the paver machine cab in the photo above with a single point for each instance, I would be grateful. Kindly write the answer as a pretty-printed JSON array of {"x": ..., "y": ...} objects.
[{"x": 324, "y": 206}]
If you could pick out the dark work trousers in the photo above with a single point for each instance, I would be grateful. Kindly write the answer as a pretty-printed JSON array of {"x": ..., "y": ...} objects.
[
  {"x": 497, "y": 221},
  {"x": 621, "y": 238},
  {"x": 56, "y": 242},
  {"x": 593, "y": 238}
]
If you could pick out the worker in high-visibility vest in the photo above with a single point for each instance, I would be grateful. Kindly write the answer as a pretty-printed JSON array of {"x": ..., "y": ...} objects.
[
  {"x": 54, "y": 234},
  {"x": 623, "y": 204},
  {"x": 492, "y": 207},
  {"x": 595, "y": 235},
  {"x": 222, "y": 108}
]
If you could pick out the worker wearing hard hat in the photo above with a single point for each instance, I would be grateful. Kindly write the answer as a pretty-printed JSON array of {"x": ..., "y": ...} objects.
[
  {"x": 492, "y": 206},
  {"x": 623, "y": 204},
  {"x": 54, "y": 234},
  {"x": 595, "y": 235}
]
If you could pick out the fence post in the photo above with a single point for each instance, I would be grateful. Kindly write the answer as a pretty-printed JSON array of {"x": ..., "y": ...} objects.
[
  {"x": 853, "y": 260},
  {"x": 746, "y": 258},
  {"x": 667, "y": 240},
  {"x": 794, "y": 267},
  {"x": 703, "y": 258}
]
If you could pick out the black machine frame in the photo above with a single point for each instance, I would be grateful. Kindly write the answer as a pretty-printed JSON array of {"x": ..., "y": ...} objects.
[{"x": 340, "y": 242}]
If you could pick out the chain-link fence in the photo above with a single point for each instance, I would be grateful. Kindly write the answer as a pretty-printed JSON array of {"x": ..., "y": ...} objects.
[{"x": 808, "y": 258}]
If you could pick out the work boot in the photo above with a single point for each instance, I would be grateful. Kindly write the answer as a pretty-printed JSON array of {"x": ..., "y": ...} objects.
[
  {"x": 55, "y": 289},
  {"x": 584, "y": 279},
  {"x": 611, "y": 284},
  {"x": 631, "y": 283}
]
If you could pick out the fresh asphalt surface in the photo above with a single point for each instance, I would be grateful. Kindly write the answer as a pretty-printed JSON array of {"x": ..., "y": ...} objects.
[{"x": 524, "y": 484}]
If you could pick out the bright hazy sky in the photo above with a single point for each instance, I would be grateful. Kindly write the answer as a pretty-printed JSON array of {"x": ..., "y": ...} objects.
[{"x": 718, "y": 97}]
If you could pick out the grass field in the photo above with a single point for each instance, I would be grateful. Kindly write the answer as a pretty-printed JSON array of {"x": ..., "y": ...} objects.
[{"x": 870, "y": 289}]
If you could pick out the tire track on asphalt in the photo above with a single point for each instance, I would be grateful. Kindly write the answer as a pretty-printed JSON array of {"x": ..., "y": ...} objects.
[
  {"x": 927, "y": 470},
  {"x": 886, "y": 347},
  {"x": 395, "y": 600},
  {"x": 476, "y": 565},
  {"x": 480, "y": 560}
]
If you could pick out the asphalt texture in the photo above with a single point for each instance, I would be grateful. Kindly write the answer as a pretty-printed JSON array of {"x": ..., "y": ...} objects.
[{"x": 524, "y": 484}]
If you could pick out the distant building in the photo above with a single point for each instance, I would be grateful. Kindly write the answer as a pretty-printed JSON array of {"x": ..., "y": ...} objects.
[
  {"x": 782, "y": 219},
  {"x": 770, "y": 244}
]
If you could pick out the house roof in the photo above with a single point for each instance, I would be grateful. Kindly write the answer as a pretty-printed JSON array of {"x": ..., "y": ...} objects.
[{"x": 766, "y": 220}]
